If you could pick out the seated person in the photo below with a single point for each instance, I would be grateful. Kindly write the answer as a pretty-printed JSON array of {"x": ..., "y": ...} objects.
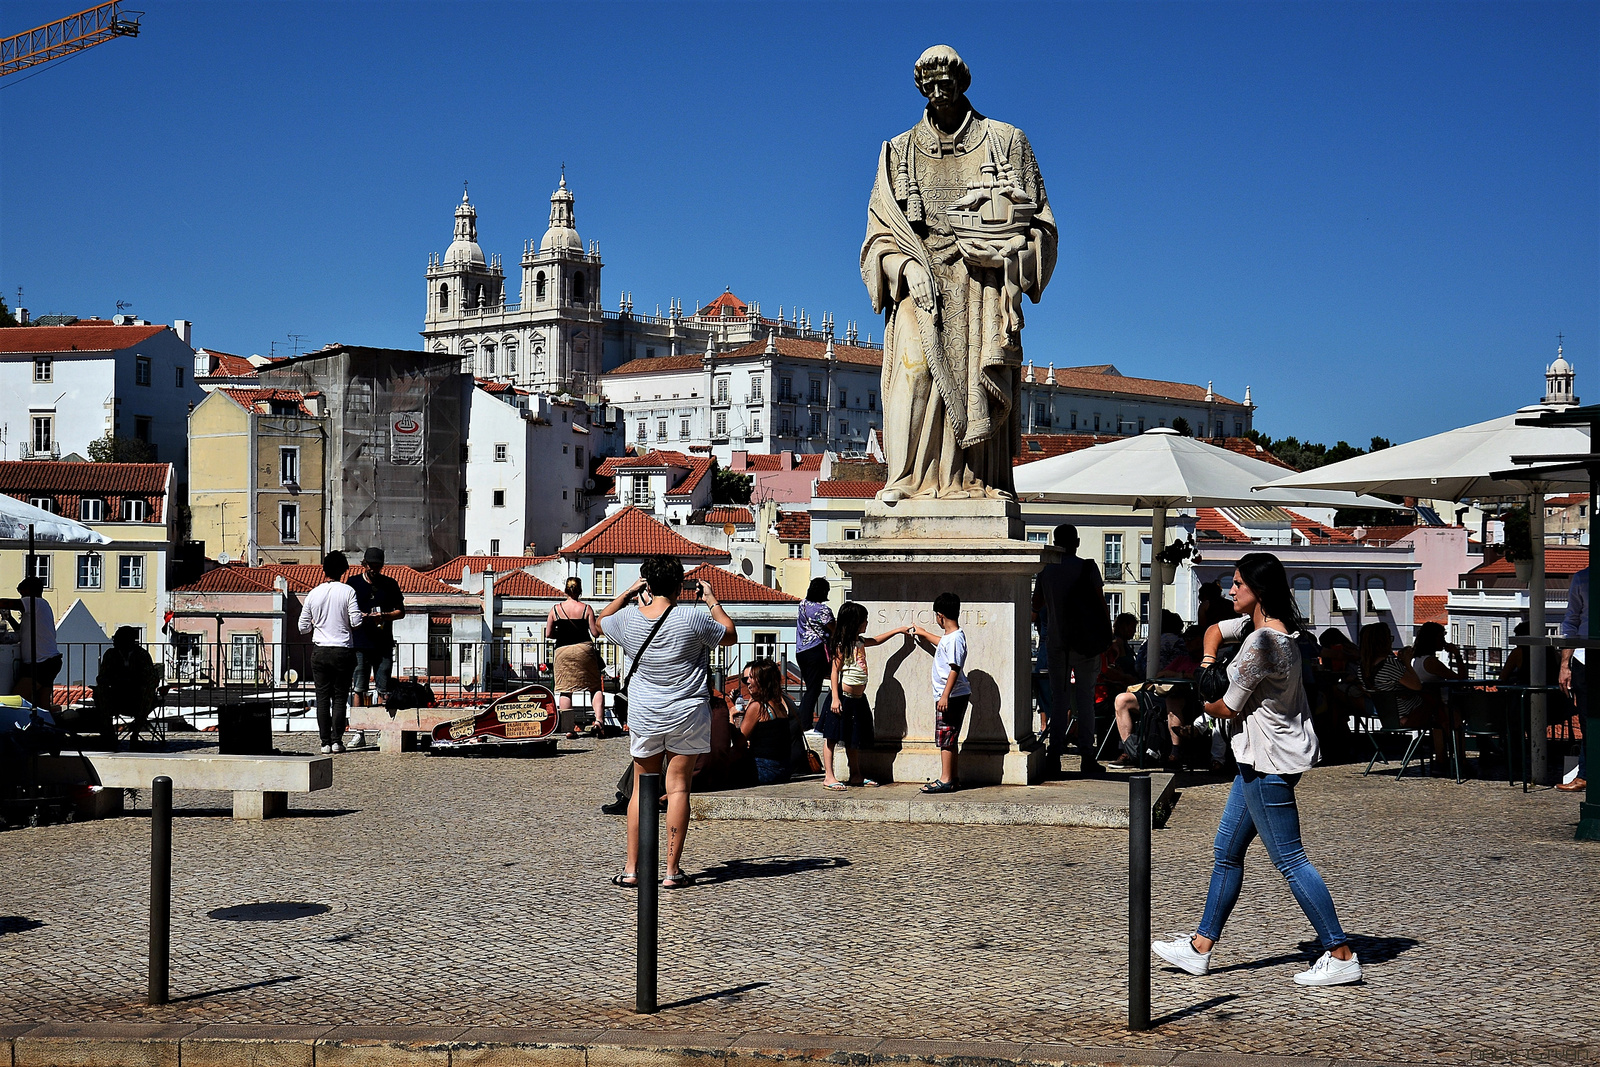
[
  {"x": 1171, "y": 644},
  {"x": 1383, "y": 672},
  {"x": 764, "y": 722},
  {"x": 1339, "y": 693},
  {"x": 126, "y": 685},
  {"x": 1182, "y": 707}
]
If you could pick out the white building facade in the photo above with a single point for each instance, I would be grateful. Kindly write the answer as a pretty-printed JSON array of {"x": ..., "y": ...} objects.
[{"x": 1101, "y": 399}]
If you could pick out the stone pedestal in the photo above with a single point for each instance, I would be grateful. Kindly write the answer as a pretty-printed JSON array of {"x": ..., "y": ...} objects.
[{"x": 909, "y": 553}]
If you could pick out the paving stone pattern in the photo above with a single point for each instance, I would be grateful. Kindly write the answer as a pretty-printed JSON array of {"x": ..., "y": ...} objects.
[{"x": 469, "y": 891}]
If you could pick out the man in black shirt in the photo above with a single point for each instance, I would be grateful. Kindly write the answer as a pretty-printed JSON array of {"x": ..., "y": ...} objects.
[{"x": 379, "y": 598}]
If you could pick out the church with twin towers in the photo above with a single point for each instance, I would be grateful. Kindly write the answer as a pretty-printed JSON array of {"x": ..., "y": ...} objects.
[{"x": 555, "y": 334}]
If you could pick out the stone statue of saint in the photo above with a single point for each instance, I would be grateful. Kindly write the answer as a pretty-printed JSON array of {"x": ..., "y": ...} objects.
[{"x": 958, "y": 229}]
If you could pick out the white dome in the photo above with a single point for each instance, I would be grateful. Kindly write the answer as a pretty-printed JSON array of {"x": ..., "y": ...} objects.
[
  {"x": 562, "y": 236},
  {"x": 462, "y": 251},
  {"x": 1560, "y": 366},
  {"x": 561, "y": 239}
]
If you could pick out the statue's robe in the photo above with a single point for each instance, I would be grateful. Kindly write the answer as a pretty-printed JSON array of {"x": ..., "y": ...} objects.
[{"x": 952, "y": 377}]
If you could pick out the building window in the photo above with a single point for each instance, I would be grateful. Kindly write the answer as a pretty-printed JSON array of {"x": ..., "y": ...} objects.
[
  {"x": 1112, "y": 555},
  {"x": 130, "y": 572},
  {"x": 766, "y": 645},
  {"x": 1041, "y": 414},
  {"x": 785, "y": 390},
  {"x": 44, "y": 370},
  {"x": 722, "y": 424},
  {"x": 722, "y": 390},
  {"x": 289, "y": 465},
  {"x": 844, "y": 397},
  {"x": 844, "y": 428},
  {"x": 494, "y": 546},
  {"x": 816, "y": 423},
  {"x": 499, "y": 498},
  {"x": 1144, "y": 558},
  {"x": 289, "y": 524},
  {"x": 578, "y": 290},
  {"x": 783, "y": 427},
  {"x": 577, "y": 457},
  {"x": 133, "y": 509},
  {"x": 1144, "y": 609},
  {"x": 816, "y": 391},
  {"x": 661, "y": 429},
  {"x": 89, "y": 571},
  {"x": 179, "y": 371},
  {"x": 444, "y": 298},
  {"x": 538, "y": 286},
  {"x": 141, "y": 370},
  {"x": 649, "y": 353},
  {"x": 1072, "y": 420},
  {"x": 641, "y": 491},
  {"x": 41, "y": 569},
  {"x": 644, "y": 431},
  {"x": 488, "y": 359},
  {"x": 1302, "y": 597},
  {"x": 853, "y": 534},
  {"x": 605, "y": 576},
  {"x": 44, "y": 503},
  {"x": 1114, "y": 604},
  {"x": 797, "y": 550},
  {"x": 755, "y": 390},
  {"x": 511, "y": 357},
  {"x": 1097, "y": 422},
  {"x": 683, "y": 429},
  {"x": 501, "y": 451},
  {"x": 141, "y": 427},
  {"x": 44, "y": 433},
  {"x": 872, "y": 401},
  {"x": 91, "y": 509},
  {"x": 755, "y": 425}
]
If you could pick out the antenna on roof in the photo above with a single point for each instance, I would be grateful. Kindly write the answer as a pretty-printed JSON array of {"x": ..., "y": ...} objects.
[
  {"x": 296, "y": 338},
  {"x": 122, "y": 305}
]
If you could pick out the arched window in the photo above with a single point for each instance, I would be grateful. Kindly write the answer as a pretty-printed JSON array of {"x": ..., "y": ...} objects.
[
  {"x": 488, "y": 359},
  {"x": 1302, "y": 597},
  {"x": 577, "y": 288},
  {"x": 511, "y": 355},
  {"x": 538, "y": 286},
  {"x": 444, "y": 298},
  {"x": 1343, "y": 599}
]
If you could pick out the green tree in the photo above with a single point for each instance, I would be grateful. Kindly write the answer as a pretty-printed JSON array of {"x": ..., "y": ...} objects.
[
  {"x": 1379, "y": 444},
  {"x": 6, "y": 318},
  {"x": 113, "y": 449},
  {"x": 1181, "y": 424},
  {"x": 730, "y": 487}
]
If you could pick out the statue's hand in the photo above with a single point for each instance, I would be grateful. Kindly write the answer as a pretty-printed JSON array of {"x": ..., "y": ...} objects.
[{"x": 919, "y": 285}]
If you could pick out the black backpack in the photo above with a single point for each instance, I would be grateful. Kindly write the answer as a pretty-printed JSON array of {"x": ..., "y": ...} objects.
[{"x": 405, "y": 694}]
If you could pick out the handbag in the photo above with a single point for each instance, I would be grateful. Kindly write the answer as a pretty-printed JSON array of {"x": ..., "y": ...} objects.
[{"x": 1211, "y": 682}]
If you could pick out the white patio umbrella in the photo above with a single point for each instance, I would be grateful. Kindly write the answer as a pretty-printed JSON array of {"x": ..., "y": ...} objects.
[
  {"x": 1460, "y": 465},
  {"x": 20, "y": 521},
  {"x": 1161, "y": 469}
]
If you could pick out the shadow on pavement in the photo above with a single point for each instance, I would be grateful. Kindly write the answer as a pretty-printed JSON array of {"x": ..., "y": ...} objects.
[
  {"x": 768, "y": 867},
  {"x": 237, "y": 988},
  {"x": 1195, "y": 1009},
  {"x": 723, "y": 994},
  {"x": 16, "y": 924},
  {"x": 1368, "y": 949}
]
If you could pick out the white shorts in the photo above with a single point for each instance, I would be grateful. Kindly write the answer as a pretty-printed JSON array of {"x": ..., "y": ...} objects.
[{"x": 689, "y": 738}]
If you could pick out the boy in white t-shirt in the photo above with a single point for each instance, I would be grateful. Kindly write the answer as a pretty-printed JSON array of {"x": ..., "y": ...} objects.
[{"x": 951, "y": 693}]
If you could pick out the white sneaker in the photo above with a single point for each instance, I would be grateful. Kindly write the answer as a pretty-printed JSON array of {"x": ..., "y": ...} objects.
[
  {"x": 1181, "y": 954},
  {"x": 359, "y": 739},
  {"x": 327, "y": 748},
  {"x": 1329, "y": 970},
  {"x": 336, "y": 747}
]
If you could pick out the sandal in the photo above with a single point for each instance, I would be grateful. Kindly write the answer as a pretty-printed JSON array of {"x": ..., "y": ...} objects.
[
  {"x": 834, "y": 785},
  {"x": 676, "y": 881},
  {"x": 865, "y": 783},
  {"x": 626, "y": 881},
  {"x": 939, "y": 787}
]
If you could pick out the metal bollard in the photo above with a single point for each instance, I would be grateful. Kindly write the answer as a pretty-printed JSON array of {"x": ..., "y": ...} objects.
[
  {"x": 160, "y": 887},
  {"x": 1139, "y": 902},
  {"x": 646, "y": 871}
]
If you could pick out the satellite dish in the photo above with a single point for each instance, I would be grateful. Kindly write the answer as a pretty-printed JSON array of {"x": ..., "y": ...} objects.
[
  {"x": 224, "y": 559},
  {"x": 730, "y": 529}
]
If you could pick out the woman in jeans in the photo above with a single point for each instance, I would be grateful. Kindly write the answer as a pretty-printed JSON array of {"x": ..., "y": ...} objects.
[
  {"x": 668, "y": 645},
  {"x": 813, "y": 630},
  {"x": 1274, "y": 744}
]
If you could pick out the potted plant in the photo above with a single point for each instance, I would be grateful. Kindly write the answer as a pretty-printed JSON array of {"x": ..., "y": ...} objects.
[
  {"x": 1172, "y": 555},
  {"x": 1518, "y": 540}
]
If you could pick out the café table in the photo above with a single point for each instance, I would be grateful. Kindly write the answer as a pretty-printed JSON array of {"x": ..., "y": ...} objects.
[{"x": 1522, "y": 740}]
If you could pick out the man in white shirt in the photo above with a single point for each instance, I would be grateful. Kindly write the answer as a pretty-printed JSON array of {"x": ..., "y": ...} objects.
[
  {"x": 38, "y": 660},
  {"x": 331, "y": 615}
]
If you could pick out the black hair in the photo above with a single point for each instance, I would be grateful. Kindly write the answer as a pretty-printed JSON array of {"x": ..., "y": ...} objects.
[
  {"x": 1263, "y": 573},
  {"x": 848, "y": 627},
  {"x": 1127, "y": 616},
  {"x": 32, "y": 585},
  {"x": 1376, "y": 642},
  {"x": 818, "y": 590},
  {"x": 948, "y": 605},
  {"x": 334, "y": 565},
  {"x": 1428, "y": 640},
  {"x": 1066, "y": 536},
  {"x": 664, "y": 574}
]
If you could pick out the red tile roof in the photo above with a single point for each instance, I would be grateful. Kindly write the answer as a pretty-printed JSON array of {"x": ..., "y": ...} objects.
[
  {"x": 1378, "y": 536},
  {"x": 805, "y": 461},
  {"x": 523, "y": 584},
  {"x": 1104, "y": 379},
  {"x": 250, "y": 398},
  {"x": 451, "y": 572},
  {"x": 1037, "y": 446},
  {"x": 304, "y": 577},
  {"x": 83, "y": 337},
  {"x": 724, "y": 514},
  {"x": 1317, "y": 533},
  {"x": 1211, "y": 520},
  {"x": 788, "y": 347},
  {"x": 142, "y": 479},
  {"x": 694, "y": 468},
  {"x": 230, "y": 579},
  {"x": 794, "y": 526},
  {"x": 227, "y": 365},
  {"x": 727, "y": 300},
  {"x": 1567, "y": 500},
  {"x": 733, "y": 588},
  {"x": 1429, "y": 609},
  {"x": 848, "y": 490},
  {"x": 1557, "y": 561},
  {"x": 632, "y": 532}
]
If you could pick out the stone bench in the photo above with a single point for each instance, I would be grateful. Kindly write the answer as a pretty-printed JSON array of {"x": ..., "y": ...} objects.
[
  {"x": 399, "y": 734},
  {"x": 260, "y": 784}
]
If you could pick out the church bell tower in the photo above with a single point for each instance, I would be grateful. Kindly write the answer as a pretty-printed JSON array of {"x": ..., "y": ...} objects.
[
  {"x": 462, "y": 283},
  {"x": 561, "y": 292}
]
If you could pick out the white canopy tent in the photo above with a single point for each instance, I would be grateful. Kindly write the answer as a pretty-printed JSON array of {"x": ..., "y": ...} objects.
[
  {"x": 1460, "y": 465},
  {"x": 21, "y": 522},
  {"x": 1162, "y": 469}
]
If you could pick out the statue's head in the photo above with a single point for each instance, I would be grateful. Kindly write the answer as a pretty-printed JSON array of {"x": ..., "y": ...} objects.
[{"x": 942, "y": 77}]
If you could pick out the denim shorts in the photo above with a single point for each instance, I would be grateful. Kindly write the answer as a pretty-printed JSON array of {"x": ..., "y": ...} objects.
[{"x": 373, "y": 665}]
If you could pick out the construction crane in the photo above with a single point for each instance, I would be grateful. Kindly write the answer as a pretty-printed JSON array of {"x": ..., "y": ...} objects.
[{"x": 65, "y": 36}]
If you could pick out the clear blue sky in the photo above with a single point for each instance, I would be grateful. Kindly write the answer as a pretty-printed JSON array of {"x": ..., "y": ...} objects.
[{"x": 1377, "y": 215}]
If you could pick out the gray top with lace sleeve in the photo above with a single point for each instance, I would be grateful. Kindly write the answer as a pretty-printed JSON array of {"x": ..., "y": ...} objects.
[{"x": 1266, "y": 691}]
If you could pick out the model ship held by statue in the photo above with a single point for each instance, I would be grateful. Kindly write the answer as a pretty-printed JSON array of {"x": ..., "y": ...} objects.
[{"x": 959, "y": 229}]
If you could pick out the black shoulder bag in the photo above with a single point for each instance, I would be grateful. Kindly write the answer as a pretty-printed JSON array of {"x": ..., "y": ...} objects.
[
  {"x": 1211, "y": 682},
  {"x": 622, "y": 691}
]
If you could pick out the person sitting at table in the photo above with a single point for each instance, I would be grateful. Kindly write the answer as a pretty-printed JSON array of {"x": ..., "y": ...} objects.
[
  {"x": 1182, "y": 708},
  {"x": 1514, "y": 671},
  {"x": 1382, "y": 672},
  {"x": 1432, "y": 672},
  {"x": 1340, "y": 693}
]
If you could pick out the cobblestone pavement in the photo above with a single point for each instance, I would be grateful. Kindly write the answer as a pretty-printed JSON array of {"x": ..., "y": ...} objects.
[{"x": 474, "y": 891}]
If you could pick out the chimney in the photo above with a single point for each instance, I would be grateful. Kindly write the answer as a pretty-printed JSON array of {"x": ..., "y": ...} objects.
[
  {"x": 181, "y": 328},
  {"x": 740, "y": 459},
  {"x": 786, "y": 460},
  {"x": 22, "y": 316},
  {"x": 488, "y": 600}
]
